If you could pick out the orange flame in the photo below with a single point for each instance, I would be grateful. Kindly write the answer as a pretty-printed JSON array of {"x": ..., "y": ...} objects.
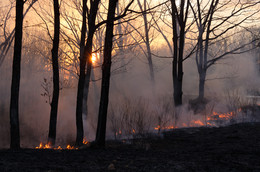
[
  {"x": 85, "y": 141},
  {"x": 68, "y": 147},
  {"x": 41, "y": 146},
  {"x": 164, "y": 128},
  {"x": 58, "y": 148},
  {"x": 197, "y": 123},
  {"x": 133, "y": 130},
  {"x": 184, "y": 125},
  {"x": 209, "y": 121},
  {"x": 223, "y": 116}
]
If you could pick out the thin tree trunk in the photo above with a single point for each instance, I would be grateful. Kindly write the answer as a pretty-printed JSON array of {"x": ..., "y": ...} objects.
[
  {"x": 179, "y": 19},
  {"x": 85, "y": 77},
  {"x": 202, "y": 77},
  {"x": 201, "y": 64},
  {"x": 14, "y": 104},
  {"x": 203, "y": 55},
  {"x": 79, "y": 122},
  {"x": 106, "y": 67},
  {"x": 120, "y": 43},
  {"x": 147, "y": 42},
  {"x": 177, "y": 95},
  {"x": 55, "y": 66},
  {"x": 180, "y": 65}
]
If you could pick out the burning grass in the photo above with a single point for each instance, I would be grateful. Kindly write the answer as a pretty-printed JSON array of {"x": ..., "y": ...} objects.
[
  {"x": 212, "y": 120},
  {"x": 67, "y": 147},
  {"x": 136, "y": 119},
  {"x": 139, "y": 119}
]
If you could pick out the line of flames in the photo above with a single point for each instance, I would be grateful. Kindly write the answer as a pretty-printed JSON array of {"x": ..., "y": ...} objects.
[
  {"x": 194, "y": 123},
  {"x": 68, "y": 147},
  {"x": 197, "y": 123}
]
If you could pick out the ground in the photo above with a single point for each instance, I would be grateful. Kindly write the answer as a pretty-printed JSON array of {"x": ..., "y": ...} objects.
[{"x": 231, "y": 148}]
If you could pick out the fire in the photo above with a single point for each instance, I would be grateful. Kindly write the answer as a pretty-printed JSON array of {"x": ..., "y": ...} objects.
[
  {"x": 164, "y": 128},
  {"x": 58, "y": 148},
  {"x": 85, "y": 141},
  {"x": 158, "y": 127},
  {"x": 211, "y": 120},
  {"x": 68, "y": 147},
  {"x": 197, "y": 123},
  {"x": 222, "y": 116},
  {"x": 41, "y": 146},
  {"x": 184, "y": 125},
  {"x": 133, "y": 130}
]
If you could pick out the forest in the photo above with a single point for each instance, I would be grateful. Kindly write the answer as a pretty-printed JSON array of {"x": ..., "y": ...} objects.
[{"x": 80, "y": 73}]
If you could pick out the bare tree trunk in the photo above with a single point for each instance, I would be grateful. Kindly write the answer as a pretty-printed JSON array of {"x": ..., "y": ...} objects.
[
  {"x": 55, "y": 66},
  {"x": 85, "y": 77},
  {"x": 7, "y": 43},
  {"x": 14, "y": 104},
  {"x": 79, "y": 122},
  {"x": 147, "y": 40},
  {"x": 106, "y": 67},
  {"x": 202, "y": 79},
  {"x": 176, "y": 86},
  {"x": 213, "y": 30},
  {"x": 202, "y": 50},
  {"x": 179, "y": 19},
  {"x": 201, "y": 64},
  {"x": 120, "y": 42}
]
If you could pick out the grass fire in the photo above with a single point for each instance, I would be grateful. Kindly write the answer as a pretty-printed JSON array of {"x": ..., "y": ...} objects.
[
  {"x": 68, "y": 147},
  {"x": 134, "y": 85}
]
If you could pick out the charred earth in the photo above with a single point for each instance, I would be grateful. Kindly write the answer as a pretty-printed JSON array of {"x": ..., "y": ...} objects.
[{"x": 231, "y": 148}]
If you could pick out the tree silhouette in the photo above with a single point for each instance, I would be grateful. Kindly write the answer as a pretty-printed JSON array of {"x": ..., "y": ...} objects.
[
  {"x": 179, "y": 20},
  {"x": 14, "y": 105},
  {"x": 213, "y": 30},
  {"x": 55, "y": 67},
  {"x": 106, "y": 67},
  {"x": 85, "y": 58}
]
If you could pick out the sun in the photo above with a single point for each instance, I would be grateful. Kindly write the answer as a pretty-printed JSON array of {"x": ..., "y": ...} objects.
[{"x": 94, "y": 57}]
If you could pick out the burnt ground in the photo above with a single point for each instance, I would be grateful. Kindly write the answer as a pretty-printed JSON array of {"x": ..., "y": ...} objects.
[{"x": 231, "y": 148}]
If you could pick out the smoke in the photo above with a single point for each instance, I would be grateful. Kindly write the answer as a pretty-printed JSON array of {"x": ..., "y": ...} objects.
[{"x": 238, "y": 72}]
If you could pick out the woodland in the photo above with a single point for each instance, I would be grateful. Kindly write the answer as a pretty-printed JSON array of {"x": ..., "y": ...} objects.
[{"x": 157, "y": 79}]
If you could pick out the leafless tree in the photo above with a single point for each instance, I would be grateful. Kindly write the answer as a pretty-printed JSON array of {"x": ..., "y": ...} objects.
[
  {"x": 55, "y": 67},
  {"x": 14, "y": 104},
  {"x": 85, "y": 59},
  {"x": 106, "y": 67},
  {"x": 101, "y": 127},
  {"x": 146, "y": 38},
  {"x": 179, "y": 21},
  {"x": 215, "y": 21},
  {"x": 9, "y": 37}
]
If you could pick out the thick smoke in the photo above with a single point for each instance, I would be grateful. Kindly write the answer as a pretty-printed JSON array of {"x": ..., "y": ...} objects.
[{"x": 132, "y": 96}]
